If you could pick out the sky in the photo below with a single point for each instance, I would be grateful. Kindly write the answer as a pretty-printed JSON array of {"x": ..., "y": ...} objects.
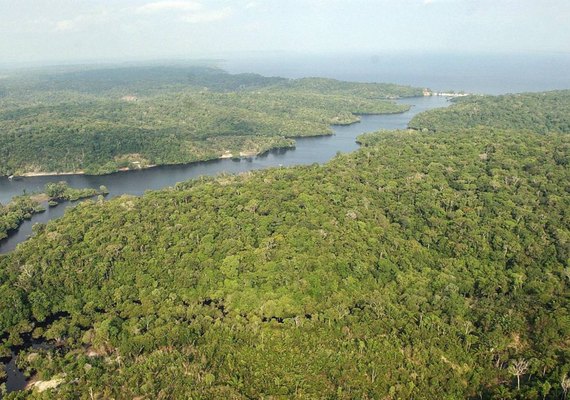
[{"x": 42, "y": 31}]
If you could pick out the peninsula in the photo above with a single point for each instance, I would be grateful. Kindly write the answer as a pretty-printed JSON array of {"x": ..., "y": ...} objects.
[{"x": 97, "y": 121}]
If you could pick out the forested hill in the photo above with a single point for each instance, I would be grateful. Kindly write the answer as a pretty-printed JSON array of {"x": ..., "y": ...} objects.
[
  {"x": 143, "y": 79},
  {"x": 423, "y": 266},
  {"x": 100, "y": 121},
  {"x": 538, "y": 112},
  {"x": 154, "y": 79}
]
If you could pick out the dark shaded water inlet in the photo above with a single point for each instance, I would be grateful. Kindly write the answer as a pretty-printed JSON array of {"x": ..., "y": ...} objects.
[
  {"x": 16, "y": 379},
  {"x": 317, "y": 149}
]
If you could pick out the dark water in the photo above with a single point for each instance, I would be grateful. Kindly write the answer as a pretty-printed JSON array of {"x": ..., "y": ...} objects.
[
  {"x": 16, "y": 378},
  {"x": 474, "y": 73},
  {"x": 307, "y": 151}
]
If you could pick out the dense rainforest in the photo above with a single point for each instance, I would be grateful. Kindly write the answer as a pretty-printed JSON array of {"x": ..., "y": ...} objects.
[
  {"x": 103, "y": 120},
  {"x": 425, "y": 265},
  {"x": 17, "y": 211},
  {"x": 538, "y": 112}
]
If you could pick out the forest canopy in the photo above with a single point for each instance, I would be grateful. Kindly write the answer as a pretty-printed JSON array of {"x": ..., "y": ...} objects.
[
  {"x": 421, "y": 266},
  {"x": 103, "y": 120},
  {"x": 537, "y": 112}
]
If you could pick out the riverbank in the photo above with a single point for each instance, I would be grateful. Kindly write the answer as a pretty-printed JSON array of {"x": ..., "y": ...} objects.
[
  {"x": 226, "y": 155},
  {"x": 243, "y": 153},
  {"x": 23, "y": 208},
  {"x": 32, "y": 174},
  {"x": 33, "y": 182},
  {"x": 307, "y": 150},
  {"x": 20, "y": 209}
]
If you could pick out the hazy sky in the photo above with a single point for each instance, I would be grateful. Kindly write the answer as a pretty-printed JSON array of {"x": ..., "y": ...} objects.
[{"x": 81, "y": 30}]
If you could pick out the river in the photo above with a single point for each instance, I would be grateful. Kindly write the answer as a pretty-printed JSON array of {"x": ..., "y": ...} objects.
[{"x": 317, "y": 149}]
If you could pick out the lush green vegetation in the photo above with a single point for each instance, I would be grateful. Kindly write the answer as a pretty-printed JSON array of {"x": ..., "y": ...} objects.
[
  {"x": 61, "y": 191},
  {"x": 538, "y": 112},
  {"x": 422, "y": 266},
  {"x": 23, "y": 207},
  {"x": 99, "y": 121},
  {"x": 13, "y": 214}
]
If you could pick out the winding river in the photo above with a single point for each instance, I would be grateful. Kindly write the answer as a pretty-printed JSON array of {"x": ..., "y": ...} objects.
[{"x": 307, "y": 151}]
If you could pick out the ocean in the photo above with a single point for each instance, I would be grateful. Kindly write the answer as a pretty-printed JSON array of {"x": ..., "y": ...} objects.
[{"x": 472, "y": 73}]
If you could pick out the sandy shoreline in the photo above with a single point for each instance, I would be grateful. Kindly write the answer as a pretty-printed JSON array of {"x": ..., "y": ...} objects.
[
  {"x": 32, "y": 174},
  {"x": 222, "y": 157}
]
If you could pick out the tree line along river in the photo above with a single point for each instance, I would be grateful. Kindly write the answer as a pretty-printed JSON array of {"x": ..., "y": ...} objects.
[{"x": 309, "y": 150}]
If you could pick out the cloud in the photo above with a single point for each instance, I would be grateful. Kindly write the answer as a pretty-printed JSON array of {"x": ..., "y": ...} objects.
[
  {"x": 65, "y": 25},
  {"x": 252, "y": 4},
  {"x": 80, "y": 22},
  {"x": 192, "y": 12},
  {"x": 429, "y": 2},
  {"x": 159, "y": 6},
  {"x": 207, "y": 16}
]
